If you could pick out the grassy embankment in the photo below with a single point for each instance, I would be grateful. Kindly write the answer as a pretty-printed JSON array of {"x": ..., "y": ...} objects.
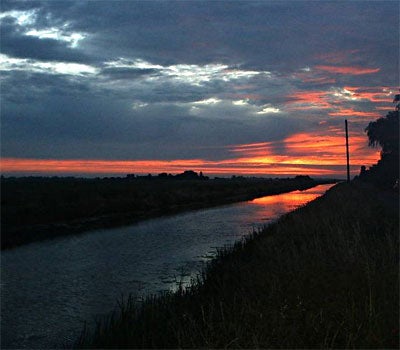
[
  {"x": 40, "y": 208},
  {"x": 324, "y": 276}
]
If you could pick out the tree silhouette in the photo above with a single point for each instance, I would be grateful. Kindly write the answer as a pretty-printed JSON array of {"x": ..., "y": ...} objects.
[
  {"x": 397, "y": 99},
  {"x": 385, "y": 133}
]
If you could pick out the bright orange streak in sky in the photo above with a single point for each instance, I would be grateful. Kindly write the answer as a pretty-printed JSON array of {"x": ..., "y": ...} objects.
[
  {"x": 352, "y": 112},
  {"x": 331, "y": 99},
  {"x": 310, "y": 149},
  {"x": 13, "y": 165},
  {"x": 95, "y": 166},
  {"x": 348, "y": 70},
  {"x": 255, "y": 166},
  {"x": 304, "y": 153},
  {"x": 384, "y": 108},
  {"x": 315, "y": 99},
  {"x": 373, "y": 94}
]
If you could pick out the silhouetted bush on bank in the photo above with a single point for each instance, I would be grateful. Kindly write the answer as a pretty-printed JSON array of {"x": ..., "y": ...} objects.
[
  {"x": 384, "y": 132},
  {"x": 323, "y": 276}
]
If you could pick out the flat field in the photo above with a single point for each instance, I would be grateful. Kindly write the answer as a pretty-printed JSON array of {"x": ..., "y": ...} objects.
[{"x": 34, "y": 209}]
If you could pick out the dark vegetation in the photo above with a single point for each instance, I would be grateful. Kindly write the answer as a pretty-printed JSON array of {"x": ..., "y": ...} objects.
[
  {"x": 36, "y": 208},
  {"x": 324, "y": 276},
  {"x": 384, "y": 132}
]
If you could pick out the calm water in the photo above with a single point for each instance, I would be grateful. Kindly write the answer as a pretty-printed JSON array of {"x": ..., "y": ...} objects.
[{"x": 50, "y": 288}]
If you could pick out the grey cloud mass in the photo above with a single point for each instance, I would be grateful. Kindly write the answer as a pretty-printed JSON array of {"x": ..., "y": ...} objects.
[{"x": 182, "y": 79}]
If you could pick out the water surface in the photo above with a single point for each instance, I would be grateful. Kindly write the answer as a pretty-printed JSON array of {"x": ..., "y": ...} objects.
[{"x": 49, "y": 289}]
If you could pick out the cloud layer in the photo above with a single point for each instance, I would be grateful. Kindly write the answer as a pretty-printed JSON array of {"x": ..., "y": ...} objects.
[{"x": 165, "y": 86}]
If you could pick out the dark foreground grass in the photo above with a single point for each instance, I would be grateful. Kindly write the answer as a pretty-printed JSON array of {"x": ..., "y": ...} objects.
[{"x": 324, "y": 276}]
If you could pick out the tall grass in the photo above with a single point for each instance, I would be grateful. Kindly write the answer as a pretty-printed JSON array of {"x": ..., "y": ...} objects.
[{"x": 324, "y": 276}]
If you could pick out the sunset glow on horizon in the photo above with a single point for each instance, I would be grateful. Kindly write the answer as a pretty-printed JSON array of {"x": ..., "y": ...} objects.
[
  {"x": 12, "y": 166},
  {"x": 227, "y": 88},
  {"x": 307, "y": 154}
]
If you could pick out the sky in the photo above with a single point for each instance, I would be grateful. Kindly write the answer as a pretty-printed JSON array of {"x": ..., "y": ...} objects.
[{"x": 224, "y": 87}]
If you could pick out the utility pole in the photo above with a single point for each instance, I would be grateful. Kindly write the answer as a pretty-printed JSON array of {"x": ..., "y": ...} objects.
[{"x": 347, "y": 152}]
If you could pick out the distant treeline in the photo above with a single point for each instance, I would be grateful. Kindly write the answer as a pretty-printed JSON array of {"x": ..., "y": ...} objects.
[
  {"x": 35, "y": 208},
  {"x": 186, "y": 175}
]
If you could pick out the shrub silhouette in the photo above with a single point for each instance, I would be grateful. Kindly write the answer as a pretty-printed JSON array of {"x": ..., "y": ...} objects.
[{"x": 384, "y": 132}]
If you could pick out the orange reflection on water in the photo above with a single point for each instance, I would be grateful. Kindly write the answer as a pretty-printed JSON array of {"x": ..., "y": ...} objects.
[
  {"x": 288, "y": 199},
  {"x": 272, "y": 206}
]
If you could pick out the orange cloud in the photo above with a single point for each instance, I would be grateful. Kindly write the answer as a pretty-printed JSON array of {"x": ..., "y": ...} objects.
[
  {"x": 303, "y": 100},
  {"x": 348, "y": 70},
  {"x": 315, "y": 154},
  {"x": 253, "y": 148},
  {"x": 388, "y": 108},
  {"x": 334, "y": 99},
  {"x": 382, "y": 94},
  {"x": 352, "y": 113},
  {"x": 308, "y": 149},
  {"x": 226, "y": 167},
  {"x": 261, "y": 166},
  {"x": 330, "y": 149},
  {"x": 96, "y": 166}
]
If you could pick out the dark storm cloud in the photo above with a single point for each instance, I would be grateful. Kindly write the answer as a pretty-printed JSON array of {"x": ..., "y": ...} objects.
[
  {"x": 16, "y": 44},
  {"x": 22, "y": 88},
  {"x": 65, "y": 120},
  {"x": 258, "y": 34}
]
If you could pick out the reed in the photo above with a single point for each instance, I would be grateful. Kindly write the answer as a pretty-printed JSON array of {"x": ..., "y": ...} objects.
[{"x": 323, "y": 276}]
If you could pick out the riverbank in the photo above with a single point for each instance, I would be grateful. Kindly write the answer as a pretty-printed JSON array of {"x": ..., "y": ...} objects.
[
  {"x": 323, "y": 276},
  {"x": 36, "y": 209}
]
